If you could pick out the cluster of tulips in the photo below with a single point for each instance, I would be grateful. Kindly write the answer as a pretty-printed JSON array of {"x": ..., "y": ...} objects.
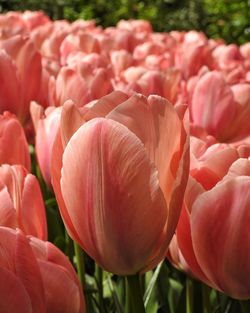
[{"x": 143, "y": 138}]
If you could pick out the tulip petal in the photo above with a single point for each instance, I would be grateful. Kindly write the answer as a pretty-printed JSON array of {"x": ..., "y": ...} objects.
[
  {"x": 56, "y": 165},
  {"x": 220, "y": 222},
  {"x": 112, "y": 194},
  {"x": 213, "y": 106},
  {"x": 32, "y": 211},
  {"x": 9, "y": 86},
  {"x": 17, "y": 256},
  {"x": 161, "y": 137},
  {"x": 62, "y": 293},
  {"x": 13, "y": 295},
  {"x": 103, "y": 106},
  {"x": 71, "y": 120},
  {"x": 7, "y": 210}
]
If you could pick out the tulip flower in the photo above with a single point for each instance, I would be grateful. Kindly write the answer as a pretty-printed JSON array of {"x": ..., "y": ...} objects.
[
  {"x": 63, "y": 292},
  {"x": 14, "y": 148},
  {"x": 123, "y": 176},
  {"x": 21, "y": 286},
  {"x": 19, "y": 60},
  {"x": 46, "y": 124},
  {"x": 210, "y": 168},
  {"x": 80, "y": 83},
  {"x": 21, "y": 202},
  {"x": 221, "y": 110},
  {"x": 220, "y": 228}
]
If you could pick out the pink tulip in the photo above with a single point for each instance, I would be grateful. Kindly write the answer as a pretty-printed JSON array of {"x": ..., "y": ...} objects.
[
  {"x": 135, "y": 26},
  {"x": 18, "y": 63},
  {"x": 12, "y": 24},
  {"x": 21, "y": 203},
  {"x": 220, "y": 228},
  {"x": 210, "y": 167},
  {"x": 34, "y": 19},
  {"x": 192, "y": 53},
  {"x": 21, "y": 286},
  {"x": 120, "y": 60},
  {"x": 46, "y": 125},
  {"x": 14, "y": 148},
  {"x": 219, "y": 109},
  {"x": 121, "y": 183},
  {"x": 83, "y": 41},
  {"x": 80, "y": 83},
  {"x": 63, "y": 292}
]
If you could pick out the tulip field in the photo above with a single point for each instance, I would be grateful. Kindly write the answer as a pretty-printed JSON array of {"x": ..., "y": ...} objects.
[{"x": 124, "y": 169}]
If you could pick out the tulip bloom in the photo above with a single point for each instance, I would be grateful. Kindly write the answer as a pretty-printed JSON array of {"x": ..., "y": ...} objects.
[
  {"x": 220, "y": 220},
  {"x": 219, "y": 109},
  {"x": 63, "y": 292},
  {"x": 21, "y": 202},
  {"x": 123, "y": 176},
  {"x": 218, "y": 174},
  {"x": 14, "y": 148},
  {"x": 19, "y": 61},
  {"x": 21, "y": 286},
  {"x": 46, "y": 124}
]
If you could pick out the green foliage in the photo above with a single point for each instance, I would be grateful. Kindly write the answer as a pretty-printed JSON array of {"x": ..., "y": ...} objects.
[{"x": 227, "y": 19}]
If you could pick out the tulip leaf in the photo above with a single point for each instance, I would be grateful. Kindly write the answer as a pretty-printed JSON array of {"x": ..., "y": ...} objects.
[{"x": 152, "y": 284}]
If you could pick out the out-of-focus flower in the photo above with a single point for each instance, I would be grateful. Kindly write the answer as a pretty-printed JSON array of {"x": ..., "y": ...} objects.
[
  {"x": 21, "y": 74},
  {"x": 63, "y": 292},
  {"x": 14, "y": 148},
  {"x": 222, "y": 111},
  {"x": 21, "y": 286},
  {"x": 211, "y": 168},
  {"x": 46, "y": 124},
  {"x": 21, "y": 202}
]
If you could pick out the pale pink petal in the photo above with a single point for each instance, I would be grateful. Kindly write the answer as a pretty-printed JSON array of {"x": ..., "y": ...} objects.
[
  {"x": 220, "y": 222},
  {"x": 116, "y": 195},
  {"x": 13, "y": 295},
  {"x": 103, "y": 106},
  {"x": 213, "y": 107},
  {"x": 9, "y": 86},
  {"x": 32, "y": 212},
  {"x": 56, "y": 165},
  {"x": 71, "y": 120},
  {"x": 7, "y": 210}
]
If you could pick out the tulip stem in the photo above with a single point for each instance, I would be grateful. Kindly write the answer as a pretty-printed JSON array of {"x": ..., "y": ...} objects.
[
  {"x": 99, "y": 281},
  {"x": 134, "y": 295},
  {"x": 206, "y": 298},
  {"x": 80, "y": 264},
  {"x": 128, "y": 304},
  {"x": 245, "y": 306},
  {"x": 189, "y": 295}
]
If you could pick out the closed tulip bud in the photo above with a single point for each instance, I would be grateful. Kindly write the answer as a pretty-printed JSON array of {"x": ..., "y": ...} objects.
[
  {"x": 123, "y": 177},
  {"x": 46, "y": 124},
  {"x": 21, "y": 286},
  {"x": 14, "y": 148},
  {"x": 63, "y": 292},
  {"x": 21, "y": 202},
  {"x": 19, "y": 61},
  {"x": 220, "y": 222},
  {"x": 207, "y": 224}
]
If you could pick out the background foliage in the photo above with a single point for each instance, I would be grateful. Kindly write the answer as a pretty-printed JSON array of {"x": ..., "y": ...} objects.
[{"x": 227, "y": 19}]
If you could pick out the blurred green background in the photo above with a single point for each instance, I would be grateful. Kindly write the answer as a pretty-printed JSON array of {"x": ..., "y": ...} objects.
[{"x": 227, "y": 19}]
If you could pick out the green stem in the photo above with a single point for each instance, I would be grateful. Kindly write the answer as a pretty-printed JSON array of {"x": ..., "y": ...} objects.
[
  {"x": 206, "y": 298},
  {"x": 128, "y": 303},
  {"x": 245, "y": 306},
  {"x": 80, "y": 264},
  {"x": 189, "y": 295},
  {"x": 99, "y": 279},
  {"x": 134, "y": 294},
  {"x": 69, "y": 248}
]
